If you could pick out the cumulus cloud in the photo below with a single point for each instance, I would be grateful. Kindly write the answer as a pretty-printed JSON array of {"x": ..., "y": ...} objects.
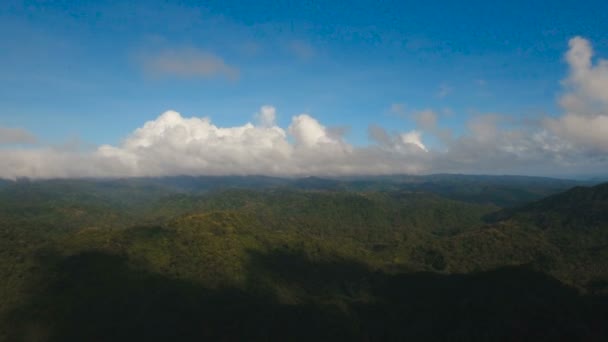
[
  {"x": 406, "y": 141},
  {"x": 308, "y": 132},
  {"x": 187, "y": 63},
  {"x": 585, "y": 101},
  {"x": 10, "y": 135},
  {"x": 576, "y": 141},
  {"x": 413, "y": 138},
  {"x": 172, "y": 144},
  {"x": 489, "y": 146},
  {"x": 267, "y": 116},
  {"x": 176, "y": 145}
]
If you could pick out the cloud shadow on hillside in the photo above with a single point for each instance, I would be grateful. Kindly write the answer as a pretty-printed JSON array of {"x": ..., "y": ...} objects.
[{"x": 96, "y": 296}]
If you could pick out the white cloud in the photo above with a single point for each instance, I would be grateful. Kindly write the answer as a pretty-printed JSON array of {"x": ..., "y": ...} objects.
[
  {"x": 172, "y": 145},
  {"x": 397, "y": 143},
  {"x": 413, "y": 138},
  {"x": 308, "y": 132},
  {"x": 575, "y": 141},
  {"x": 585, "y": 102},
  {"x": 10, "y": 135},
  {"x": 187, "y": 63},
  {"x": 590, "y": 132},
  {"x": 267, "y": 116}
]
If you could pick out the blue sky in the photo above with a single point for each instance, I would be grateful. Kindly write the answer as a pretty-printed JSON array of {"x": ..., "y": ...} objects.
[{"x": 89, "y": 70}]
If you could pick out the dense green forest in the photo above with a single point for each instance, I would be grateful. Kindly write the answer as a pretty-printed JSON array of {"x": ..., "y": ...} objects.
[{"x": 260, "y": 258}]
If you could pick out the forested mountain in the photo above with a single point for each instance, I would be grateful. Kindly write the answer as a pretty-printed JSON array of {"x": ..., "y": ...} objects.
[
  {"x": 500, "y": 190},
  {"x": 576, "y": 208},
  {"x": 386, "y": 258}
]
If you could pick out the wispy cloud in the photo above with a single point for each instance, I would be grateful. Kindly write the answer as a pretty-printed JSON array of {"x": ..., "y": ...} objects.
[
  {"x": 444, "y": 90},
  {"x": 187, "y": 62},
  {"x": 10, "y": 135},
  {"x": 301, "y": 49},
  {"x": 398, "y": 109},
  {"x": 249, "y": 48}
]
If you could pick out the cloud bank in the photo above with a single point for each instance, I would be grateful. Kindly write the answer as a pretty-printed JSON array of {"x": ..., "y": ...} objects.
[{"x": 172, "y": 144}]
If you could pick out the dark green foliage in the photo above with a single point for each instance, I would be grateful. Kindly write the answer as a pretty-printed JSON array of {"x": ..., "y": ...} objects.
[
  {"x": 100, "y": 296},
  {"x": 575, "y": 222},
  {"x": 575, "y": 208},
  {"x": 430, "y": 257},
  {"x": 140, "y": 259}
]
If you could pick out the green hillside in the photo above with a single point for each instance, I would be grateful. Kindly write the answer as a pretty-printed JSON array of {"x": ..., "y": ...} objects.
[{"x": 131, "y": 260}]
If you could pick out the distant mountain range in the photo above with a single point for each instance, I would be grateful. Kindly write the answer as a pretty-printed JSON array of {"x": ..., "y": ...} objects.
[{"x": 500, "y": 190}]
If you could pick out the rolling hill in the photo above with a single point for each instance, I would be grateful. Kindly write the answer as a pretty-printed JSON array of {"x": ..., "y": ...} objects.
[{"x": 153, "y": 259}]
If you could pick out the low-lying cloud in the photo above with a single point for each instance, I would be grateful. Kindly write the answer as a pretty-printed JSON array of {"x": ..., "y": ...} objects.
[{"x": 173, "y": 144}]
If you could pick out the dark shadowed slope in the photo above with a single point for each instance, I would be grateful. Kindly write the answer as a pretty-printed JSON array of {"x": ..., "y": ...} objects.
[
  {"x": 582, "y": 207},
  {"x": 104, "y": 297}
]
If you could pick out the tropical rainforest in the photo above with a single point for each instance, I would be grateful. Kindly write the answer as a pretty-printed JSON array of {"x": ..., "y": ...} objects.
[{"x": 439, "y": 257}]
